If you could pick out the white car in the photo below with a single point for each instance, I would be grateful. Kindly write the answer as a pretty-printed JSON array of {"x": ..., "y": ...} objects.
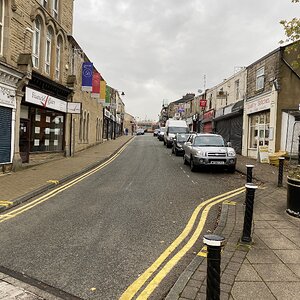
[{"x": 204, "y": 149}]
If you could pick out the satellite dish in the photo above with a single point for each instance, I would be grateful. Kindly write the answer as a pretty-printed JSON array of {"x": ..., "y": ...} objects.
[{"x": 199, "y": 91}]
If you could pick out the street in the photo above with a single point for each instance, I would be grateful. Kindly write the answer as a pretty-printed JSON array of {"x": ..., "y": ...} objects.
[{"x": 96, "y": 237}]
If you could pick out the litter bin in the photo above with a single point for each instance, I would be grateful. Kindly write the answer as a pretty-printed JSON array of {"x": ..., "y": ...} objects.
[{"x": 293, "y": 197}]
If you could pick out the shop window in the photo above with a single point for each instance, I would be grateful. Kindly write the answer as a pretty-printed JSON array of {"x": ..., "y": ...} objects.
[
  {"x": 260, "y": 78},
  {"x": 1, "y": 25},
  {"x": 47, "y": 130},
  {"x": 58, "y": 57},
  {"x": 48, "y": 50},
  {"x": 36, "y": 42},
  {"x": 259, "y": 129}
]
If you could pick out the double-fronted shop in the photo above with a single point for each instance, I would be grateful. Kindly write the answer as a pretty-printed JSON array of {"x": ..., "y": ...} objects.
[{"x": 43, "y": 119}]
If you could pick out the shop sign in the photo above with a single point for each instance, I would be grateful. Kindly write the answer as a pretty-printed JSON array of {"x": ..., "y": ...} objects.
[
  {"x": 7, "y": 99},
  {"x": 263, "y": 152},
  {"x": 228, "y": 109},
  {"x": 263, "y": 103},
  {"x": 106, "y": 113},
  {"x": 202, "y": 103},
  {"x": 74, "y": 107},
  {"x": 41, "y": 99},
  {"x": 209, "y": 114}
]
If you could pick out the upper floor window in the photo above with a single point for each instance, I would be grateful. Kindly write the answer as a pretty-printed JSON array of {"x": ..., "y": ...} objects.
[
  {"x": 44, "y": 3},
  {"x": 48, "y": 50},
  {"x": 237, "y": 89},
  {"x": 58, "y": 56},
  {"x": 55, "y": 9},
  {"x": 36, "y": 43},
  {"x": 260, "y": 78},
  {"x": 1, "y": 25}
]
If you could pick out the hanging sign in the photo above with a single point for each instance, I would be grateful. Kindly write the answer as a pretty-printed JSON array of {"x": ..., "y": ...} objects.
[
  {"x": 87, "y": 76},
  {"x": 96, "y": 85},
  {"x": 74, "y": 107},
  {"x": 203, "y": 103}
]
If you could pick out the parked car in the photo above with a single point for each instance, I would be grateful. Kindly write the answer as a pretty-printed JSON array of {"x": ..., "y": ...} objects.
[
  {"x": 178, "y": 142},
  {"x": 140, "y": 131},
  {"x": 161, "y": 133},
  {"x": 155, "y": 132},
  {"x": 173, "y": 127},
  {"x": 205, "y": 149}
]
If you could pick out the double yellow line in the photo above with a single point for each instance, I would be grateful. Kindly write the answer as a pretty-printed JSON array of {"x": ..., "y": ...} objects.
[
  {"x": 32, "y": 204},
  {"x": 135, "y": 287}
]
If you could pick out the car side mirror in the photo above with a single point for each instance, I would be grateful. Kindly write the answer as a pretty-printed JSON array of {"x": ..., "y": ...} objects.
[{"x": 229, "y": 144}]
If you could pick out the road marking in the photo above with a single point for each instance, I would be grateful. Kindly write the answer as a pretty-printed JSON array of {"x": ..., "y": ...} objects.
[
  {"x": 178, "y": 256},
  {"x": 32, "y": 204},
  {"x": 5, "y": 203},
  {"x": 203, "y": 252},
  {"x": 139, "y": 282},
  {"x": 53, "y": 181}
]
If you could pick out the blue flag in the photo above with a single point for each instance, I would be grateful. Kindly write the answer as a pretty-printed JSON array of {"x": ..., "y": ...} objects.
[{"x": 87, "y": 76}]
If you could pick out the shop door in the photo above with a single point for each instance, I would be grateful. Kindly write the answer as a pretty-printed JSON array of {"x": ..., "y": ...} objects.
[
  {"x": 24, "y": 140},
  {"x": 5, "y": 134}
]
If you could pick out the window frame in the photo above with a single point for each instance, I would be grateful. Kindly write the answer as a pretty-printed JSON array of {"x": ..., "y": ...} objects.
[
  {"x": 260, "y": 78},
  {"x": 59, "y": 43},
  {"x": 36, "y": 43},
  {"x": 44, "y": 3},
  {"x": 48, "y": 50},
  {"x": 55, "y": 8}
]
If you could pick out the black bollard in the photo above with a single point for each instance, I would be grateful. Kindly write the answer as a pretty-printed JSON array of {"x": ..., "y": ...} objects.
[
  {"x": 249, "y": 173},
  {"x": 214, "y": 244},
  {"x": 280, "y": 171},
  {"x": 250, "y": 191}
]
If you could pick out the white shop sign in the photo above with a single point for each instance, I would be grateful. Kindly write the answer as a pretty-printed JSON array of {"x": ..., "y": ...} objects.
[
  {"x": 47, "y": 101},
  {"x": 7, "y": 98},
  {"x": 74, "y": 107},
  {"x": 260, "y": 104}
]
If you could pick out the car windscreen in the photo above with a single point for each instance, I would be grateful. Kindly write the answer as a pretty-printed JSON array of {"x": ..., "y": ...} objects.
[
  {"x": 182, "y": 137},
  {"x": 209, "y": 141},
  {"x": 178, "y": 130}
]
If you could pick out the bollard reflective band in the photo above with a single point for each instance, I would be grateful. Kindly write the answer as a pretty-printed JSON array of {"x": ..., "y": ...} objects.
[
  {"x": 251, "y": 186},
  {"x": 213, "y": 240}
]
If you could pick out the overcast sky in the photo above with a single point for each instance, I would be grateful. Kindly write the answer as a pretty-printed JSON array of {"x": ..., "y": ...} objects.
[{"x": 157, "y": 50}]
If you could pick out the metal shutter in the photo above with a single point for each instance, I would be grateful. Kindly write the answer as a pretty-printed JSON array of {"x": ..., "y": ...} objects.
[{"x": 5, "y": 134}]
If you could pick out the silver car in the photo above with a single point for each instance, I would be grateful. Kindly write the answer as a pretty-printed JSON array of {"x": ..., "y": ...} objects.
[{"x": 205, "y": 149}]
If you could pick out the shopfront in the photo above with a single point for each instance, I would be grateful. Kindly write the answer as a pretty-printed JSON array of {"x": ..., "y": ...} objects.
[
  {"x": 260, "y": 124},
  {"x": 42, "y": 123},
  {"x": 7, "y": 113},
  {"x": 9, "y": 79},
  {"x": 208, "y": 121},
  {"x": 229, "y": 123}
]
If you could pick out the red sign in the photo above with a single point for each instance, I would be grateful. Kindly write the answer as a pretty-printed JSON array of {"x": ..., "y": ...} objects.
[
  {"x": 96, "y": 84},
  {"x": 203, "y": 102}
]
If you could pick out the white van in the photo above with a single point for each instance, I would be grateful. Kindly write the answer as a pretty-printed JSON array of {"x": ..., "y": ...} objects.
[{"x": 172, "y": 128}]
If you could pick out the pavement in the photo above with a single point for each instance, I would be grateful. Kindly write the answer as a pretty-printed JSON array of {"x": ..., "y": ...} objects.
[{"x": 267, "y": 268}]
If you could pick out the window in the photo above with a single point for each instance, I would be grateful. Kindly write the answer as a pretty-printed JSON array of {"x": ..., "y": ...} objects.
[
  {"x": 58, "y": 55},
  {"x": 55, "y": 9},
  {"x": 48, "y": 50},
  {"x": 1, "y": 25},
  {"x": 260, "y": 78},
  {"x": 237, "y": 89},
  {"x": 44, "y": 3},
  {"x": 36, "y": 43},
  {"x": 259, "y": 129}
]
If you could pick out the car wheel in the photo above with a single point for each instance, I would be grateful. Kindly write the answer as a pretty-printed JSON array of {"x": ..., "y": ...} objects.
[
  {"x": 192, "y": 165},
  {"x": 231, "y": 169}
]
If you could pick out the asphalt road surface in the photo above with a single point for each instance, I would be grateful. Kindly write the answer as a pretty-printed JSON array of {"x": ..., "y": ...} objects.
[{"x": 94, "y": 239}]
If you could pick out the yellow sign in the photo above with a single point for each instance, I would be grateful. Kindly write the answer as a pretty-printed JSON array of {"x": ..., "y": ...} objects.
[{"x": 263, "y": 152}]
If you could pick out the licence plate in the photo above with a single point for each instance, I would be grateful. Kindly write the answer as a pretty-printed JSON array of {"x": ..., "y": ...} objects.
[{"x": 216, "y": 162}]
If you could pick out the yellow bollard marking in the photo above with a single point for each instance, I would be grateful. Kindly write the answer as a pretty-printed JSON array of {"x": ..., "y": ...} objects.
[
  {"x": 203, "y": 252},
  {"x": 53, "y": 181},
  {"x": 229, "y": 202}
]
